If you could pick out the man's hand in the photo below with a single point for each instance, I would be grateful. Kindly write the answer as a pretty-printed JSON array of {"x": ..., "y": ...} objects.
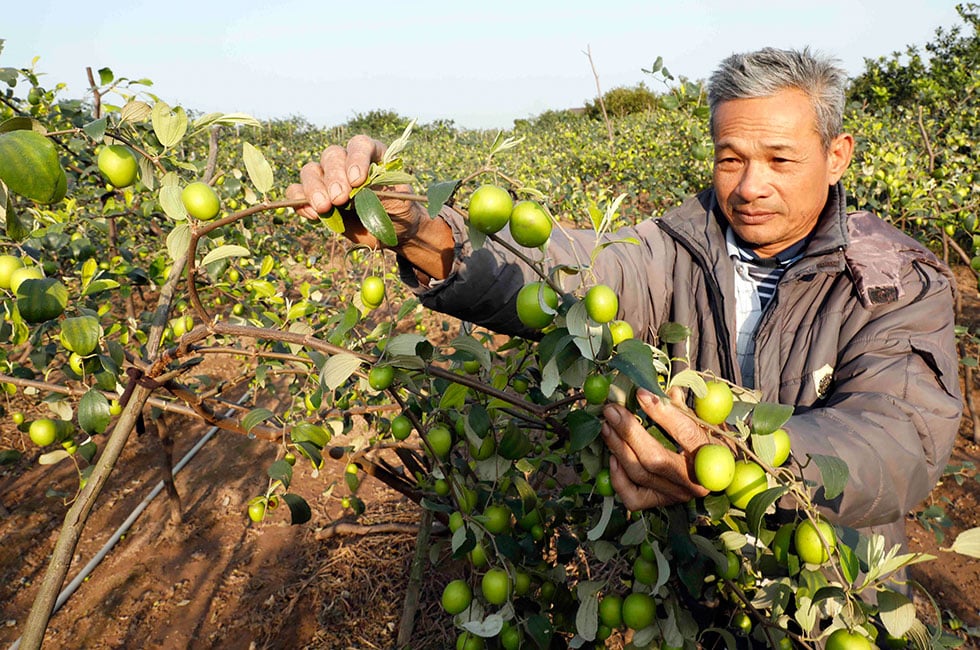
[
  {"x": 327, "y": 184},
  {"x": 644, "y": 473},
  {"x": 424, "y": 242}
]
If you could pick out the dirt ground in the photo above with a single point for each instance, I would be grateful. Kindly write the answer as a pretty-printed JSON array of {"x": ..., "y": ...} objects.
[{"x": 218, "y": 581}]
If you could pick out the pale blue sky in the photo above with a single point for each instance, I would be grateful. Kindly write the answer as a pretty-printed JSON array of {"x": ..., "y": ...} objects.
[{"x": 480, "y": 64}]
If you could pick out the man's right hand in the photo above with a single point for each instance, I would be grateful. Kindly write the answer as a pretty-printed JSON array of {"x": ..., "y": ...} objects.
[
  {"x": 327, "y": 184},
  {"x": 426, "y": 243}
]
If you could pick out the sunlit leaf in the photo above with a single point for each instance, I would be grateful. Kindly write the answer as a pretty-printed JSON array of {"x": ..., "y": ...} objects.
[
  {"x": 258, "y": 168},
  {"x": 968, "y": 543},
  {"x": 168, "y": 125},
  {"x": 255, "y": 417},
  {"x": 179, "y": 240},
  {"x": 224, "y": 252},
  {"x": 338, "y": 369}
]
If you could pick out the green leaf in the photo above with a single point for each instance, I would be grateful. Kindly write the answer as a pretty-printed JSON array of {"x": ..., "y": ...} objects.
[
  {"x": 759, "y": 504},
  {"x": 834, "y": 473},
  {"x": 635, "y": 360},
  {"x": 168, "y": 125},
  {"x": 299, "y": 509},
  {"x": 769, "y": 416},
  {"x": 374, "y": 218},
  {"x": 608, "y": 503},
  {"x": 437, "y": 195},
  {"x": 171, "y": 202},
  {"x": 8, "y": 456},
  {"x": 487, "y": 628},
  {"x": 540, "y": 630},
  {"x": 691, "y": 379},
  {"x": 99, "y": 286},
  {"x": 393, "y": 178},
  {"x": 17, "y": 230},
  {"x": 673, "y": 333},
  {"x": 281, "y": 471},
  {"x": 178, "y": 240},
  {"x": 134, "y": 111},
  {"x": 223, "y": 252},
  {"x": 258, "y": 168},
  {"x": 96, "y": 129},
  {"x": 314, "y": 434},
  {"x": 404, "y": 345},
  {"x": 334, "y": 221},
  {"x": 849, "y": 564},
  {"x": 453, "y": 397},
  {"x": 105, "y": 76},
  {"x": 93, "y": 412},
  {"x": 584, "y": 428},
  {"x": 587, "y": 616},
  {"x": 255, "y": 417},
  {"x": 473, "y": 347},
  {"x": 968, "y": 543},
  {"x": 338, "y": 369},
  {"x": 81, "y": 334}
]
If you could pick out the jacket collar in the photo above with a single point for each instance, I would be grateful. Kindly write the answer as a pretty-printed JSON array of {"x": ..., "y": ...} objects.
[{"x": 701, "y": 225}]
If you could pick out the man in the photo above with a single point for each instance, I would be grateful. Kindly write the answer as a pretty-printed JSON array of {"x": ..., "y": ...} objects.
[{"x": 840, "y": 315}]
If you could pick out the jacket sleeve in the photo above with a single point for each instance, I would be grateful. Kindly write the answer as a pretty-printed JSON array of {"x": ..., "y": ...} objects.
[
  {"x": 483, "y": 284},
  {"x": 894, "y": 407}
]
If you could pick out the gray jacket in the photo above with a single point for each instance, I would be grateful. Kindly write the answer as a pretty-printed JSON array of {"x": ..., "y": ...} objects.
[{"x": 859, "y": 337}]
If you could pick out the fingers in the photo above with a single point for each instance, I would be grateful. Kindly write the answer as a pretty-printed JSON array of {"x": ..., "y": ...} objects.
[
  {"x": 361, "y": 152},
  {"x": 646, "y": 473},
  {"x": 327, "y": 184},
  {"x": 682, "y": 429}
]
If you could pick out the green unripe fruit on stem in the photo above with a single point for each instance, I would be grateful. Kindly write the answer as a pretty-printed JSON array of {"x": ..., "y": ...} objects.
[
  {"x": 45, "y": 431},
  {"x": 639, "y": 610},
  {"x": 496, "y": 586},
  {"x": 19, "y": 276},
  {"x": 381, "y": 377},
  {"x": 846, "y": 640},
  {"x": 118, "y": 164},
  {"x": 596, "y": 389},
  {"x": 529, "y": 309},
  {"x": 8, "y": 264},
  {"x": 601, "y": 303},
  {"x": 201, "y": 201},
  {"x": 714, "y": 466},
  {"x": 490, "y": 208},
  {"x": 456, "y": 597},
  {"x": 372, "y": 291},
  {"x": 611, "y": 610},
  {"x": 748, "y": 481},
  {"x": 440, "y": 440},
  {"x": 530, "y": 225},
  {"x": 717, "y": 403},
  {"x": 809, "y": 546},
  {"x": 620, "y": 331}
]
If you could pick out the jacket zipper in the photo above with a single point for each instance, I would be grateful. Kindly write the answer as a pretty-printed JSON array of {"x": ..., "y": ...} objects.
[{"x": 715, "y": 299}]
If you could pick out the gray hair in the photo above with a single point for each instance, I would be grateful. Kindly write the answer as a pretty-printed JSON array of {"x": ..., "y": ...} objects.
[{"x": 767, "y": 71}]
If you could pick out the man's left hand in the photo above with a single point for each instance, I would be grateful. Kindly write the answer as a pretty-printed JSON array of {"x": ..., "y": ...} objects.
[{"x": 644, "y": 473}]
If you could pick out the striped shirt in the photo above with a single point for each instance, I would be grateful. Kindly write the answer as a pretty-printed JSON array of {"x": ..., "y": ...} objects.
[{"x": 756, "y": 279}]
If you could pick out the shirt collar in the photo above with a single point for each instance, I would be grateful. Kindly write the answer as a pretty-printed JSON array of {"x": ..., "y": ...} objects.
[{"x": 782, "y": 259}]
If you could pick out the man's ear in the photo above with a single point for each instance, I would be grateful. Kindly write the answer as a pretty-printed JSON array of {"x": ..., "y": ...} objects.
[{"x": 839, "y": 156}]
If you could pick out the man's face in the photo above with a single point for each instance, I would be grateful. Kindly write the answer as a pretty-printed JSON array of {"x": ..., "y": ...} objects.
[{"x": 771, "y": 172}]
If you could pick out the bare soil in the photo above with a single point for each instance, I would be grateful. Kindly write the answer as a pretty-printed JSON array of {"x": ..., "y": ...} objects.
[{"x": 215, "y": 580}]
